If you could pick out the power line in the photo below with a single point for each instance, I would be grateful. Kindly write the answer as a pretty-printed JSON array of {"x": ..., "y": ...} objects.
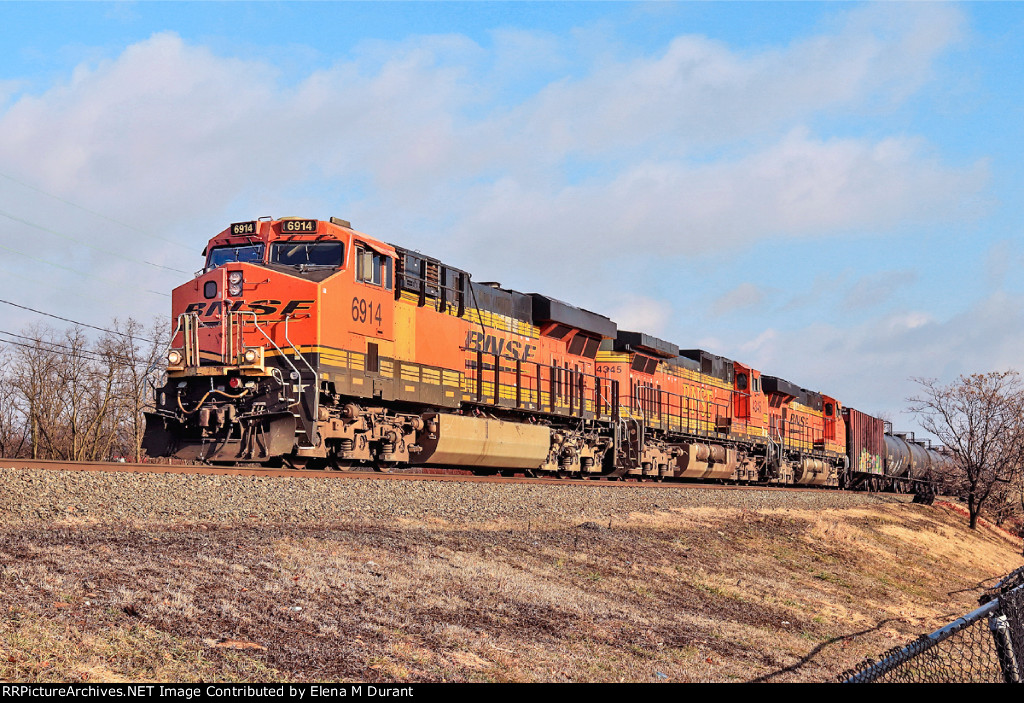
[
  {"x": 93, "y": 212},
  {"x": 90, "y": 354},
  {"x": 9, "y": 216},
  {"x": 80, "y": 292},
  {"x": 67, "y": 268},
  {"x": 76, "y": 322}
]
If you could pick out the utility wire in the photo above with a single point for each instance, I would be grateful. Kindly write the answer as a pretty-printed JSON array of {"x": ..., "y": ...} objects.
[
  {"x": 75, "y": 271},
  {"x": 76, "y": 322},
  {"x": 68, "y": 237},
  {"x": 93, "y": 212},
  {"x": 90, "y": 354},
  {"x": 82, "y": 292}
]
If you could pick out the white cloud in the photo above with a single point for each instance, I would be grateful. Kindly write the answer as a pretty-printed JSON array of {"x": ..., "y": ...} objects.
[
  {"x": 753, "y": 349},
  {"x": 699, "y": 91},
  {"x": 643, "y": 314},
  {"x": 876, "y": 289},
  {"x": 519, "y": 54},
  {"x": 870, "y": 365},
  {"x": 8, "y": 89},
  {"x": 745, "y": 296},
  {"x": 800, "y": 187},
  {"x": 403, "y": 138},
  {"x": 168, "y": 127},
  {"x": 1002, "y": 258},
  {"x": 172, "y": 123}
]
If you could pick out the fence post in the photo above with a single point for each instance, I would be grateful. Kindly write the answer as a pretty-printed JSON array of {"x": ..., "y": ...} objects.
[{"x": 1000, "y": 627}]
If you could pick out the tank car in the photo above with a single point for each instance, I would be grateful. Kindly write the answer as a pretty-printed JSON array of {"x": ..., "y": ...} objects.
[
  {"x": 883, "y": 461},
  {"x": 308, "y": 342}
]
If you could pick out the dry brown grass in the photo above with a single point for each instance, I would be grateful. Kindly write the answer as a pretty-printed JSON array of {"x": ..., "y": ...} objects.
[{"x": 681, "y": 595}]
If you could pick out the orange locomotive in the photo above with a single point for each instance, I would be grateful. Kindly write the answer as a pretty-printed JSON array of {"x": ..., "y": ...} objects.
[{"x": 307, "y": 342}]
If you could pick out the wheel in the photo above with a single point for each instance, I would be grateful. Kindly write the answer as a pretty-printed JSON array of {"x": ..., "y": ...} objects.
[
  {"x": 296, "y": 462},
  {"x": 336, "y": 464}
]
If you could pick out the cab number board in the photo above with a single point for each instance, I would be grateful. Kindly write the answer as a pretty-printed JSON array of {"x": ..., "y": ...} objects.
[
  {"x": 243, "y": 228},
  {"x": 299, "y": 226}
]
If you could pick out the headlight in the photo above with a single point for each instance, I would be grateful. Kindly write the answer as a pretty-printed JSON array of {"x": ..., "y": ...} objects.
[
  {"x": 173, "y": 358},
  {"x": 235, "y": 281},
  {"x": 250, "y": 356}
]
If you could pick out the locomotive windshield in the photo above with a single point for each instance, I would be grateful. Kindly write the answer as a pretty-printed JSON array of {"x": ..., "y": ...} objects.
[
  {"x": 229, "y": 255},
  {"x": 307, "y": 253}
]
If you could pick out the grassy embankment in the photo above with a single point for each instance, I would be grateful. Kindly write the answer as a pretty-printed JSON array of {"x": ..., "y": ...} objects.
[{"x": 681, "y": 595}]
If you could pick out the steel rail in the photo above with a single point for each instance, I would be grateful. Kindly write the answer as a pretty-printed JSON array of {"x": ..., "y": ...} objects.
[{"x": 399, "y": 475}]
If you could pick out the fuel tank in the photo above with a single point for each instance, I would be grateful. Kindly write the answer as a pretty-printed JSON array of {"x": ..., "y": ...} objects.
[{"x": 460, "y": 440}]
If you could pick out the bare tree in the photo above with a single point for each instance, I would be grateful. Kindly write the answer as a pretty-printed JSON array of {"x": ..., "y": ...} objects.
[
  {"x": 13, "y": 432},
  {"x": 64, "y": 397},
  {"x": 140, "y": 365},
  {"x": 33, "y": 378},
  {"x": 980, "y": 420}
]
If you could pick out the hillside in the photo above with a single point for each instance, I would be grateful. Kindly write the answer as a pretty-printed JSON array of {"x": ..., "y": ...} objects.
[{"x": 114, "y": 577}]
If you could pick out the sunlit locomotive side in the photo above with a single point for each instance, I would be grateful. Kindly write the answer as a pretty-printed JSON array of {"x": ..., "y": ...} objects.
[{"x": 308, "y": 342}]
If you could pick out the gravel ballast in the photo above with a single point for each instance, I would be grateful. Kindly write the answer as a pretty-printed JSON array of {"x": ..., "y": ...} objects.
[{"x": 29, "y": 495}]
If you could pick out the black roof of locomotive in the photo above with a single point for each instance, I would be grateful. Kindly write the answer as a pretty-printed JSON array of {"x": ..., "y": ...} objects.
[
  {"x": 711, "y": 364},
  {"x": 490, "y": 297},
  {"x": 547, "y": 309},
  {"x": 648, "y": 344}
]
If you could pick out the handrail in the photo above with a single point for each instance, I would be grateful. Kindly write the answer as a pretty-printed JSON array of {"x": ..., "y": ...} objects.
[
  {"x": 177, "y": 328},
  {"x": 190, "y": 338},
  {"x": 255, "y": 322},
  {"x": 316, "y": 381}
]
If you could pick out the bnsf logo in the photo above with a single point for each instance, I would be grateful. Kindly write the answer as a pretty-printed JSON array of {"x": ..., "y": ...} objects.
[
  {"x": 262, "y": 308},
  {"x": 489, "y": 344}
]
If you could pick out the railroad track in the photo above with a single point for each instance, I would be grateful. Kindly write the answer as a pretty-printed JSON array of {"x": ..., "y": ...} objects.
[{"x": 399, "y": 475}]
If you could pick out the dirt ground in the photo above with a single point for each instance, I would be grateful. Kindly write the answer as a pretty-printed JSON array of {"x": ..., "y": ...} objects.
[{"x": 686, "y": 594}]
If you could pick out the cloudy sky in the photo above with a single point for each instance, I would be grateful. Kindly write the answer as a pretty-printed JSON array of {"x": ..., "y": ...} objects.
[{"x": 829, "y": 192}]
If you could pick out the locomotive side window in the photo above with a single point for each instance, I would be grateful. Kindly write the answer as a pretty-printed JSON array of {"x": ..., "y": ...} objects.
[
  {"x": 373, "y": 267},
  {"x": 232, "y": 254},
  {"x": 308, "y": 253}
]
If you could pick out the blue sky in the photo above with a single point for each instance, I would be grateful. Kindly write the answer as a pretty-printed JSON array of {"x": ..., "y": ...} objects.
[{"x": 828, "y": 191}]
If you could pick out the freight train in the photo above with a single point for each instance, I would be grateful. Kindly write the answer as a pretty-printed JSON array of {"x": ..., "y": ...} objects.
[{"x": 308, "y": 343}]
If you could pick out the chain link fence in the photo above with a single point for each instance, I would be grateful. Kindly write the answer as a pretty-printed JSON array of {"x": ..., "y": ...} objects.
[{"x": 986, "y": 645}]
